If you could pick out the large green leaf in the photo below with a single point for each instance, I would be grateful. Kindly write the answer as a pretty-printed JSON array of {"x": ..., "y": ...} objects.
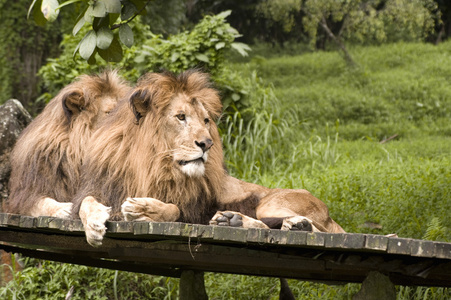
[
  {"x": 241, "y": 48},
  {"x": 224, "y": 14},
  {"x": 50, "y": 9},
  {"x": 104, "y": 37},
  {"x": 220, "y": 45},
  {"x": 202, "y": 57},
  {"x": 80, "y": 22},
  {"x": 38, "y": 17},
  {"x": 88, "y": 45},
  {"x": 112, "y": 6},
  {"x": 98, "y": 9},
  {"x": 126, "y": 35},
  {"x": 128, "y": 10},
  {"x": 30, "y": 9},
  {"x": 113, "y": 53}
]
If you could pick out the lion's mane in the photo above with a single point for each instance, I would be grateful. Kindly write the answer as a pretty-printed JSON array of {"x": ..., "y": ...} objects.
[
  {"x": 47, "y": 157},
  {"x": 129, "y": 156}
]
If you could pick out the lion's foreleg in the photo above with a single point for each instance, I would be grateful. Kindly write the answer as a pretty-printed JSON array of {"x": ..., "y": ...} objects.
[
  {"x": 150, "y": 210},
  {"x": 93, "y": 215},
  {"x": 51, "y": 208}
]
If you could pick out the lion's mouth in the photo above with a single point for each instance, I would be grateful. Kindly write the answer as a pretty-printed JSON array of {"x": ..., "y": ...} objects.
[{"x": 197, "y": 161}]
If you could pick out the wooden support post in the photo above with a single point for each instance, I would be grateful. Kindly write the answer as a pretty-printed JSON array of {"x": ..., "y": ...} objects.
[
  {"x": 192, "y": 286},
  {"x": 376, "y": 286}
]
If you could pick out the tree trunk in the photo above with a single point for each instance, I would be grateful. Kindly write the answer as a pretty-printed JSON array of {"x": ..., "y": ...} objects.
[{"x": 337, "y": 41}]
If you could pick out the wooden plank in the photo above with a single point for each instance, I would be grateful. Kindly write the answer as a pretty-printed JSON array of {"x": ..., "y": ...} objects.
[
  {"x": 334, "y": 240},
  {"x": 305, "y": 262},
  {"x": 11, "y": 220},
  {"x": 27, "y": 222},
  {"x": 43, "y": 222},
  {"x": 443, "y": 250},
  {"x": 277, "y": 237},
  {"x": 206, "y": 232},
  {"x": 2, "y": 219},
  {"x": 376, "y": 242},
  {"x": 422, "y": 248},
  {"x": 173, "y": 229},
  {"x": 316, "y": 239},
  {"x": 399, "y": 246},
  {"x": 74, "y": 226},
  {"x": 230, "y": 234},
  {"x": 296, "y": 238},
  {"x": 354, "y": 241},
  {"x": 256, "y": 235},
  {"x": 119, "y": 227},
  {"x": 188, "y": 230},
  {"x": 140, "y": 228}
]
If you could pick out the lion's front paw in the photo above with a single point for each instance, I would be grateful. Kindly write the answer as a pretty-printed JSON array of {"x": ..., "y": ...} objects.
[
  {"x": 297, "y": 223},
  {"x": 63, "y": 210},
  {"x": 94, "y": 233},
  {"x": 236, "y": 219},
  {"x": 149, "y": 210},
  {"x": 133, "y": 210},
  {"x": 95, "y": 227}
]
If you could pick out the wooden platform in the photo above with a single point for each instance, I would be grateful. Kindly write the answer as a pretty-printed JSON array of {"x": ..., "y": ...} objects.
[{"x": 170, "y": 248}]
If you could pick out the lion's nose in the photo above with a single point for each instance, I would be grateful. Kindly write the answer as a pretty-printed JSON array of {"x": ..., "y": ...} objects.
[{"x": 204, "y": 144}]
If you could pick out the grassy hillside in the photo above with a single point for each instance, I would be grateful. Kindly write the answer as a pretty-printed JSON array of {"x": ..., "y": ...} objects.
[
  {"x": 325, "y": 128},
  {"x": 320, "y": 128},
  {"x": 396, "y": 89}
]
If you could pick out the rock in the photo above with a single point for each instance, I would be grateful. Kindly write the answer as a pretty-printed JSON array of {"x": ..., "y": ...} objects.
[
  {"x": 376, "y": 286},
  {"x": 13, "y": 119}
]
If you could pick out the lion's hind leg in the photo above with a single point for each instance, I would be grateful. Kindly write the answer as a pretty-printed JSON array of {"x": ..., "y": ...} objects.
[
  {"x": 51, "y": 208},
  {"x": 236, "y": 219}
]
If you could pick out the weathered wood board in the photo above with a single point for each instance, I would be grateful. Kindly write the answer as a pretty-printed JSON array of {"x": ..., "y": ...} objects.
[{"x": 169, "y": 248}]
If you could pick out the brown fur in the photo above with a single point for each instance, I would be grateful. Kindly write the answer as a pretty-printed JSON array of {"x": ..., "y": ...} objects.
[
  {"x": 140, "y": 163},
  {"x": 132, "y": 152},
  {"x": 47, "y": 157}
]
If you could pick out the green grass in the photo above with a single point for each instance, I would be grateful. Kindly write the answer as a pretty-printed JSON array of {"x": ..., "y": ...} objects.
[
  {"x": 320, "y": 128},
  {"x": 395, "y": 89}
]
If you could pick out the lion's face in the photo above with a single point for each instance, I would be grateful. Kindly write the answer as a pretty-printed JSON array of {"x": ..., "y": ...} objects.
[
  {"x": 188, "y": 132},
  {"x": 180, "y": 112}
]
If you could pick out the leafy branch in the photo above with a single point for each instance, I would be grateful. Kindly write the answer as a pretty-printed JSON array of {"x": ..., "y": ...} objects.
[{"x": 103, "y": 16}]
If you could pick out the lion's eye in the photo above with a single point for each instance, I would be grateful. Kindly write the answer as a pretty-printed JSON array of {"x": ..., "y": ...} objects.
[
  {"x": 181, "y": 117},
  {"x": 206, "y": 120}
]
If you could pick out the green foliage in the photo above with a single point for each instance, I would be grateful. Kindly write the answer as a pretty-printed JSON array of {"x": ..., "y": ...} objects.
[
  {"x": 24, "y": 46},
  {"x": 436, "y": 231},
  {"x": 280, "y": 11},
  {"x": 51, "y": 280},
  {"x": 360, "y": 21},
  {"x": 202, "y": 47},
  {"x": 102, "y": 17}
]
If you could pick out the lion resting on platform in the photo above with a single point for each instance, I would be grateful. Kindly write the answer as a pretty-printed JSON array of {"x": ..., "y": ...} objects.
[
  {"x": 47, "y": 157},
  {"x": 158, "y": 157}
]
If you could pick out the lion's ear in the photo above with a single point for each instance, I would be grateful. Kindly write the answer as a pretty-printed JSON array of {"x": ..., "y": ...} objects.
[
  {"x": 140, "y": 103},
  {"x": 73, "y": 104}
]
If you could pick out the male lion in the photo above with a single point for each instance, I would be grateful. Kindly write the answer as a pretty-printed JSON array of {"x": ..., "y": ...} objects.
[
  {"x": 162, "y": 142},
  {"x": 47, "y": 157}
]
